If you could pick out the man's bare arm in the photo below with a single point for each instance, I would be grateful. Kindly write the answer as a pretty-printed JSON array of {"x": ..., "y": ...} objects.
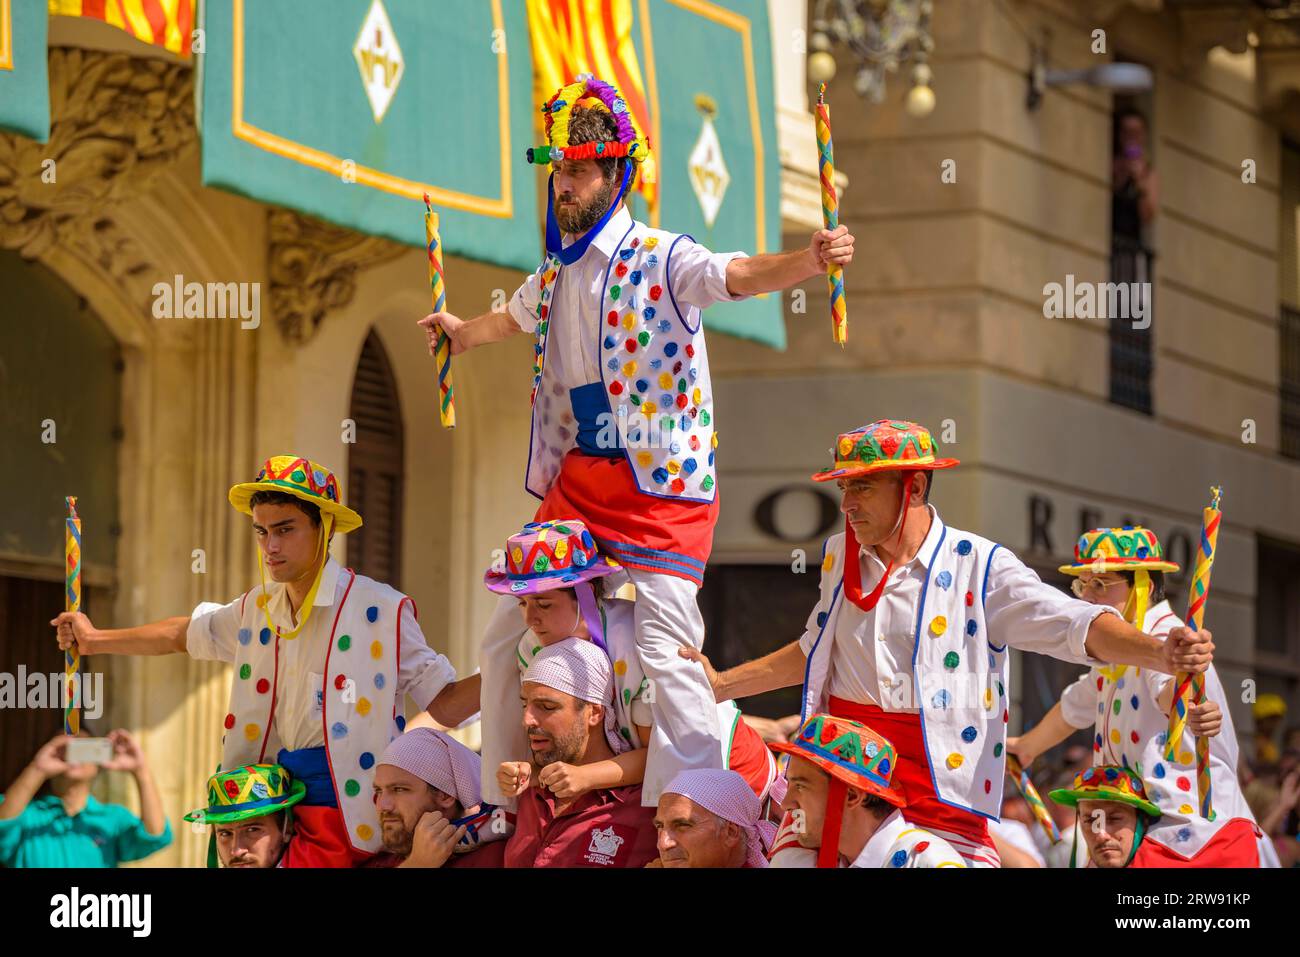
[
  {"x": 1112, "y": 639},
  {"x": 781, "y": 669},
  {"x": 166, "y": 637},
  {"x": 456, "y": 702},
  {"x": 771, "y": 272},
  {"x": 467, "y": 333}
]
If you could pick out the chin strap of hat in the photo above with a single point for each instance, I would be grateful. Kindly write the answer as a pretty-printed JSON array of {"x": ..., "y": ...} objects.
[
  {"x": 852, "y": 565},
  {"x": 1139, "y": 832},
  {"x": 590, "y": 614},
  {"x": 1135, "y": 609},
  {"x": 828, "y": 855}
]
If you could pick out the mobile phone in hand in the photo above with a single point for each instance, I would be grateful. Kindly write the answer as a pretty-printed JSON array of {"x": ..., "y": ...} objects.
[{"x": 89, "y": 751}]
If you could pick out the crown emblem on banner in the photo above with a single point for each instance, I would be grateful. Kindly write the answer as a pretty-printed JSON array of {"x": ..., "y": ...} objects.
[
  {"x": 379, "y": 58},
  {"x": 706, "y": 169}
]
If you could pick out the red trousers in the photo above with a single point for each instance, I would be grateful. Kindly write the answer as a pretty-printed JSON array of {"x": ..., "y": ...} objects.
[{"x": 641, "y": 531}]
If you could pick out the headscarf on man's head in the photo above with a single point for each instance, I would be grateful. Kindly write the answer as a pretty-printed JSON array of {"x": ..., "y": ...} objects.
[
  {"x": 727, "y": 795},
  {"x": 578, "y": 668},
  {"x": 440, "y": 761}
]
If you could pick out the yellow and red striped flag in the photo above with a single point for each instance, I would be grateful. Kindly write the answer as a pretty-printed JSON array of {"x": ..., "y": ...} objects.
[
  {"x": 164, "y": 23},
  {"x": 592, "y": 36}
]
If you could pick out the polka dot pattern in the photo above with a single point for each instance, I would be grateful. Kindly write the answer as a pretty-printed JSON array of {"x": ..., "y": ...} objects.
[{"x": 654, "y": 373}]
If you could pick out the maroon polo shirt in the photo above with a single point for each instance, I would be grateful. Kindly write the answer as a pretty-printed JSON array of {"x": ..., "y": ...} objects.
[{"x": 603, "y": 828}]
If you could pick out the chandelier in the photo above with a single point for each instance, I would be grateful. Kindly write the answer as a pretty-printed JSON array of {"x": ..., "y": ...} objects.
[{"x": 883, "y": 35}]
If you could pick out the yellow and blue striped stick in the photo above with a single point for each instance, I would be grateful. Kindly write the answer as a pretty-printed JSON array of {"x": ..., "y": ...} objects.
[
  {"x": 442, "y": 348},
  {"x": 72, "y": 602},
  {"x": 831, "y": 216}
]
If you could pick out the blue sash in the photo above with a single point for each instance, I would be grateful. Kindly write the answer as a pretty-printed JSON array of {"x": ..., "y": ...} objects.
[
  {"x": 591, "y": 410},
  {"x": 311, "y": 766}
]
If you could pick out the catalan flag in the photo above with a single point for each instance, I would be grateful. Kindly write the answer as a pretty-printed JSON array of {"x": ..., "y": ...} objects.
[
  {"x": 592, "y": 36},
  {"x": 164, "y": 23}
]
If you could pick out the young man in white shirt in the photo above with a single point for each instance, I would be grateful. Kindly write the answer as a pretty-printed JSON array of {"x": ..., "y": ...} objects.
[{"x": 320, "y": 680}]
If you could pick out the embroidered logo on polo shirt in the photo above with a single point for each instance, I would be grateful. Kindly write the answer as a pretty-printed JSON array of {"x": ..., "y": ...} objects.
[{"x": 604, "y": 846}]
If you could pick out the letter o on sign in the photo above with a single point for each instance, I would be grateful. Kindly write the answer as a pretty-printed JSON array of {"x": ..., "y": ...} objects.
[{"x": 796, "y": 513}]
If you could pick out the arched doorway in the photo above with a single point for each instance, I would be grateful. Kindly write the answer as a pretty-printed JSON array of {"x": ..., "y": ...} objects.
[
  {"x": 375, "y": 483},
  {"x": 60, "y": 379}
]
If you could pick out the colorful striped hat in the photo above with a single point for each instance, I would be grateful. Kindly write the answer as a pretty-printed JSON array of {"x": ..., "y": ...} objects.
[
  {"x": 1106, "y": 782},
  {"x": 249, "y": 791},
  {"x": 849, "y": 751},
  {"x": 885, "y": 445},
  {"x": 301, "y": 478},
  {"x": 544, "y": 556},
  {"x": 1129, "y": 548},
  {"x": 588, "y": 91}
]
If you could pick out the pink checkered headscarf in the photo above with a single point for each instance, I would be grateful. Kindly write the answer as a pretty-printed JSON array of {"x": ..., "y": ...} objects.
[
  {"x": 729, "y": 796},
  {"x": 440, "y": 761},
  {"x": 580, "y": 669}
]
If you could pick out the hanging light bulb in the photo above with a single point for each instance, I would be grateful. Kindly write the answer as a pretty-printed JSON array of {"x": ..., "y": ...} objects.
[
  {"x": 920, "y": 98},
  {"x": 821, "y": 67}
]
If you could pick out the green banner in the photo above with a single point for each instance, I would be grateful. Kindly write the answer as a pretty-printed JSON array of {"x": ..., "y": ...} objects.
[
  {"x": 351, "y": 113},
  {"x": 24, "y": 75},
  {"x": 709, "y": 64}
]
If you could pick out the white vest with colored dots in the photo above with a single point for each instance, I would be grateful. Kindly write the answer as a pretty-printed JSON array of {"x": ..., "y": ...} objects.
[
  {"x": 654, "y": 369},
  {"x": 359, "y": 707},
  {"x": 959, "y": 675}
]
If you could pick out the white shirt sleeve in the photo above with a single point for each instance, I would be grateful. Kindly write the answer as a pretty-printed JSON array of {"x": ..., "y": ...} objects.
[
  {"x": 1079, "y": 702},
  {"x": 697, "y": 277},
  {"x": 811, "y": 630},
  {"x": 523, "y": 304},
  {"x": 1025, "y": 613},
  {"x": 213, "y": 634},
  {"x": 423, "y": 672}
]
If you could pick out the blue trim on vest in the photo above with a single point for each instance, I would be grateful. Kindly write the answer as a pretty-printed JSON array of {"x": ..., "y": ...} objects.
[
  {"x": 532, "y": 412},
  {"x": 310, "y": 766},
  {"x": 668, "y": 281},
  {"x": 590, "y": 404},
  {"x": 984, "y": 592},
  {"x": 807, "y": 667},
  {"x": 627, "y": 454},
  {"x": 599, "y": 323},
  {"x": 555, "y": 242},
  {"x": 925, "y": 741},
  {"x": 920, "y": 613}
]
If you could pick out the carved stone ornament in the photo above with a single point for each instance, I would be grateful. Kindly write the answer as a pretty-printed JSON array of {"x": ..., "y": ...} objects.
[
  {"x": 313, "y": 268},
  {"x": 116, "y": 122}
]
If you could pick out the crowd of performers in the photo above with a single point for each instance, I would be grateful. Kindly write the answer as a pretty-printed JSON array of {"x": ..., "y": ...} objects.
[{"x": 607, "y": 737}]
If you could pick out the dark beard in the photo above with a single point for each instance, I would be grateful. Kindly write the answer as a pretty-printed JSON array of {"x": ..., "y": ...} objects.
[
  {"x": 578, "y": 221},
  {"x": 565, "y": 750},
  {"x": 400, "y": 844}
]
